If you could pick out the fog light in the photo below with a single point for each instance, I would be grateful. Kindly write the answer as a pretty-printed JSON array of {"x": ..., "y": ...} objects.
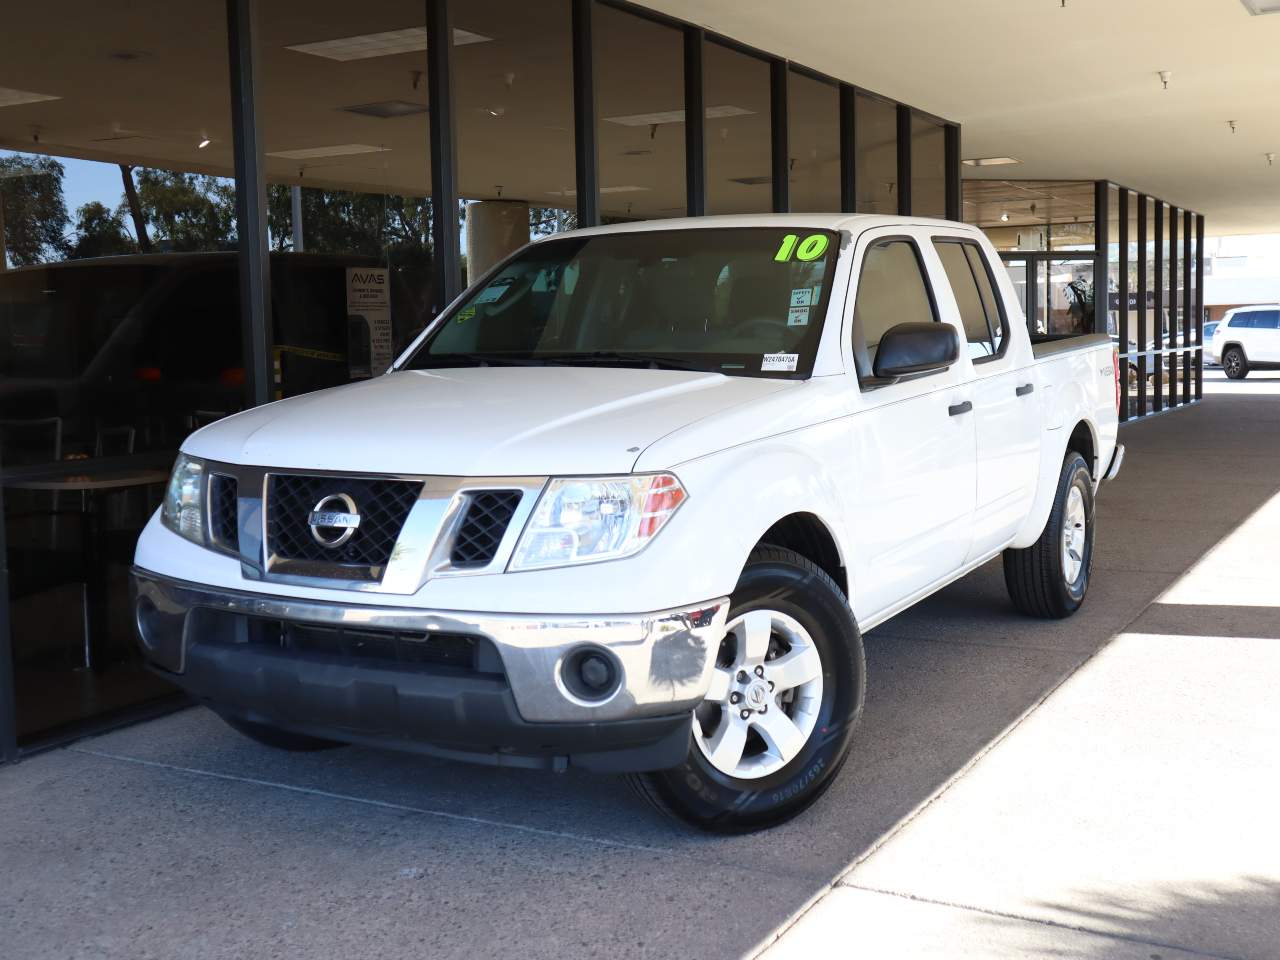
[{"x": 590, "y": 673}]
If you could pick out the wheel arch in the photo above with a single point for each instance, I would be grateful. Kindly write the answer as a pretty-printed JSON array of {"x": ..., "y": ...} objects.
[
  {"x": 809, "y": 536},
  {"x": 1084, "y": 441}
]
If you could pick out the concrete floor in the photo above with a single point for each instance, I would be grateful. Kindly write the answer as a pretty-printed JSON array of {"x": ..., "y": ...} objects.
[{"x": 1100, "y": 787}]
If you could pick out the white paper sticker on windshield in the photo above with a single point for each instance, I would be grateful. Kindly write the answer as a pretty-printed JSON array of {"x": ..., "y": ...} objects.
[
  {"x": 798, "y": 317},
  {"x": 802, "y": 297},
  {"x": 775, "y": 362}
]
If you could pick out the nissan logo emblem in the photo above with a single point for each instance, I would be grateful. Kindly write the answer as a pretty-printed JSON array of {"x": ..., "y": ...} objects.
[{"x": 334, "y": 520}]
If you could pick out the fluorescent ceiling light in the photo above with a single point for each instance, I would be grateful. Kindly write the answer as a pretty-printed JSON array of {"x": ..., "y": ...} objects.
[
  {"x": 621, "y": 189},
  {"x": 387, "y": 109},
  {"x": 369, "y": 45},
  {"x": 337, "y": 150},
  {"x": 676, "y": 116},
  {"x": 1260, "y": 7},
  {"x": 992, "y": 161},
  {"x": 13, "y": 98}
]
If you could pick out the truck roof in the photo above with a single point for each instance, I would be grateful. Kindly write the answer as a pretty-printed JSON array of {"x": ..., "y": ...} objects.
[{"x": 816, "y": 221}]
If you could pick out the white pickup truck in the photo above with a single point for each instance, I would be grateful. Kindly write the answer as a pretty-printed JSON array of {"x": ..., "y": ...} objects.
[{"x": 629, "y": 503}]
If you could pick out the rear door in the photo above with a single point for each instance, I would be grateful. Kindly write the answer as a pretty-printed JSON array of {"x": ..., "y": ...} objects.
[
  {"x": 1006, "y": 411},
  {"x": 1265, "y": 337},
  {"x": 912, "y": 484}
]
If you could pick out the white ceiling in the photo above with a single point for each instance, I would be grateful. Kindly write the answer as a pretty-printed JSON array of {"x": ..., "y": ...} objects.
[{"x": 1071, "y": 91}]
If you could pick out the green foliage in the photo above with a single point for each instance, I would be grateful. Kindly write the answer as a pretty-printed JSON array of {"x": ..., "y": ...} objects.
[
  {"x": 35, "y": 211},
  {"x": 187, "y": 211},
  {"x": 100, "y": 233}
]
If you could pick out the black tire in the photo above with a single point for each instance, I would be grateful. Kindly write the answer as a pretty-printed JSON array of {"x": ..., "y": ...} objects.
[
  {"x": 697, "y": 792},
  {"x": 1037, "y": 578},
  {"x": 1234, "y": 363},
  {"x": 279, "y": 739}
]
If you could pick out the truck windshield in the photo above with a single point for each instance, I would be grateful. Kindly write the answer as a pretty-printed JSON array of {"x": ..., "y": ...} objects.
[{"x": 741, "y": 301}]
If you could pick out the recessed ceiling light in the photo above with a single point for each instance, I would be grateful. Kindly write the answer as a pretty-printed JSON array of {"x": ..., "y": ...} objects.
[
  {"x": 12, "y": 98},
  {"x": 676, "y": 116},
  {"x": 337, "y": 150},
  {"x": 989, "y": 161},
  {"x": 385, "y": 44},
  {"x": 386, "y": 109},
  {"x": 1261, "y": 7},
  {"x": 203, "y": 143}
]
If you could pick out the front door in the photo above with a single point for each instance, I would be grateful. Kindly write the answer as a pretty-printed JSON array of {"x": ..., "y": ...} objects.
[{"x": 913, "y": 440}]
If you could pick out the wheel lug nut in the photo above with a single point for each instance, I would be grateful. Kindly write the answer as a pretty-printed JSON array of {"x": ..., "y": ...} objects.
[
  {"x": 760, "y": 671},
  {"x": 745, "y": 714},
  {"x": 735, "y": 697},
  {"x": 742, "y": 676}
]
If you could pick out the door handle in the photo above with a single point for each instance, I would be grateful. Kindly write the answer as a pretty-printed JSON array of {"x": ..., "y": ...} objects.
[
  {"x": 1023, "y": 390},
  {"x": 958, "y": 408}
]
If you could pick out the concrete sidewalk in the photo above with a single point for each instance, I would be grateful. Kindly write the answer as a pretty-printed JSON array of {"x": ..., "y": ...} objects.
[{"x": 1094, "y": 787}]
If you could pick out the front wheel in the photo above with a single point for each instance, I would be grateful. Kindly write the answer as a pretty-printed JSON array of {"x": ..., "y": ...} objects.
[
  {"x": 1050, "y": 578},
  {"x": 785, "y": 697},
  {"x": 1235, "y": 364}
]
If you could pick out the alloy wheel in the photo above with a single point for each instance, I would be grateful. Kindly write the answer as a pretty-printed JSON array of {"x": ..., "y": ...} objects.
[
  {"x": 1074, "y": 528},
  {"x": 764, "y": 698}
]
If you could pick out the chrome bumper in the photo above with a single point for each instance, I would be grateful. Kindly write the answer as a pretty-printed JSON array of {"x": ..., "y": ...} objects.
[{"x": 665, "y": 659}]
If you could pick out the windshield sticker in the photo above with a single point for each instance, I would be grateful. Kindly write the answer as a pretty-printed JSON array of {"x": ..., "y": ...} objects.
[
  {"x": 798, "y": 317},
  {"x": 466, "y": 313},
  {"x": 811, "y": 248},
  {"x": 802, "y": 296},
  {"x": 776, "y": 362}
]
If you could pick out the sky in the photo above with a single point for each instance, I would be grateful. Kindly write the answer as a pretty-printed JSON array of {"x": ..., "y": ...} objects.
[{"x": 87, "y": 180}]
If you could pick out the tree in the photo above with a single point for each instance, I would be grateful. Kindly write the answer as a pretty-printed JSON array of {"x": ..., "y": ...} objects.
[
  {"x": 100, "y": 232},
  {"x": 34, "y": 209},
  {"x": 187, "y": 211}
]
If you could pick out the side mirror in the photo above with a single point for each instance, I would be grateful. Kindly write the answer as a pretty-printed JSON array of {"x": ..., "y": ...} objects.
[{"x": 911, "y": 348}]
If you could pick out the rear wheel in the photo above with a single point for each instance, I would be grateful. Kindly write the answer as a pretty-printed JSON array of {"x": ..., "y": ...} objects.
[
  {"x": 1235, "y": 364},
  {"x": 280, "y": 739},
  {"x": 1050, "y": 578},
  {"x": 786, "y": 695}
]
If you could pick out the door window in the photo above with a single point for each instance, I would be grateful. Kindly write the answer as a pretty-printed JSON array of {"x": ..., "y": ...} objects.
[
  {"x": 892, "y": 289},
  {"x": 984, "y": 323},
  {"x": 1266, "y": 320}
]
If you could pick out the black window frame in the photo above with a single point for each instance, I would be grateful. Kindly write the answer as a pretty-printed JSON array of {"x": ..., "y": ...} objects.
[
  {"x": 857, "y": 342},
  {"x": 995, "y": 296}
]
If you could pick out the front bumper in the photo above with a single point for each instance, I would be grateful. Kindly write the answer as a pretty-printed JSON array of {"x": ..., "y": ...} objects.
[{"x": 497, "y": 693}]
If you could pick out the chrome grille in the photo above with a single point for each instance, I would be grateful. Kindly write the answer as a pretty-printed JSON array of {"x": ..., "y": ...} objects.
[
  {"x": 483, "y": 526},
  {"x": 383, "y": 506}
]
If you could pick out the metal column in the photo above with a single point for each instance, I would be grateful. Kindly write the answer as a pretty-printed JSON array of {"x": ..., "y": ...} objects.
[
  {"x": 848, "y": 149},
  {"x": 904, "y": 160},
  {"x": 251, "y": 203},
  {"x": 586, "y": 153},
  {"x": 695, "y": 126},
  {"x": 442, "y": 128},
  {"x": 780, "y": 152},
  {"x": 1123, "y": 293}
]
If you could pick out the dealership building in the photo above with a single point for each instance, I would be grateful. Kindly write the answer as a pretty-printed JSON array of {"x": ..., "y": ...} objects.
[{"x": 208, "y": 205}]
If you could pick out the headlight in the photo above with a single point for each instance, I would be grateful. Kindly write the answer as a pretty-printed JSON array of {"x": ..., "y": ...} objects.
[
  {"x": 183, "y": 507},
  {"x": 587, "y": 519}
]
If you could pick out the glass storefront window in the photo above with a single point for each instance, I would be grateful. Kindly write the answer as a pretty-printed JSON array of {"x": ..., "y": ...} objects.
[
  {"x": 876, "y": 163},
  {"x": 813, "y": 119},
  {"x": 119, "y": 325},
  {"x": 739, "y": 159},
  {"x": 514, "y": 109},
  {"x": 640, "y": 125},
  {"x": 928, "y": 168}
]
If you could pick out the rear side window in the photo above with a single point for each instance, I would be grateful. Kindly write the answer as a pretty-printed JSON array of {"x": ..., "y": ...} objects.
[
  {"x": 1267, "y": 319},
  {"x": 1241, "y": 321},
  {"x": 892, "y": 289},
  {"x": 970, "y": 280}
]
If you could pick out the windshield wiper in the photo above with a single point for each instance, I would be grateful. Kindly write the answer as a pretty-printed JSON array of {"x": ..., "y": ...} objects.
[{"x": 617, "y": 357}]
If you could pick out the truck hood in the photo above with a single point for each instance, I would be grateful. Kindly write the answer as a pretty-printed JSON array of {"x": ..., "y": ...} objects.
[{"x": 480, "y": 421}]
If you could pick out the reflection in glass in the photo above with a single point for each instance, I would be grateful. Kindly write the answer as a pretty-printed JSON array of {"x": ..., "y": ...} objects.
[
  {"x": 813, "y": 119},
  {"x": 641, "y": 121},
  {"x": 928, "y": 168},
  {"x": 739, "y": 161},
  {"x": 876, "y": 165}
]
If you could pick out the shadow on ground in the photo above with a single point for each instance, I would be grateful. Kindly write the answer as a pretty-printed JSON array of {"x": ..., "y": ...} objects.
[{"x": 179, "y": 838}]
